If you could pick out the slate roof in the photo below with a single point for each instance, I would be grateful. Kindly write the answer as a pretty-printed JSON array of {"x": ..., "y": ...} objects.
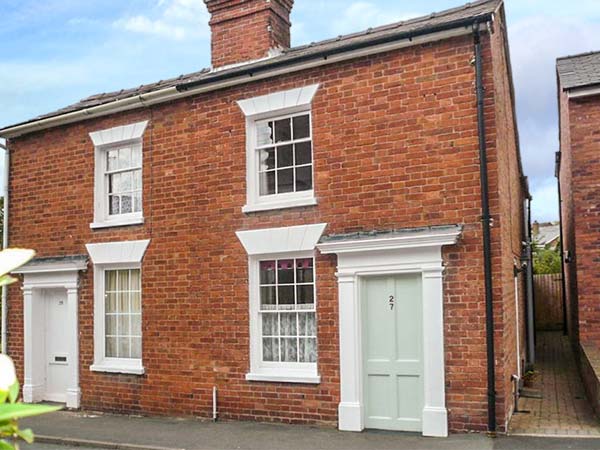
[
  {"x": 547, "y": 234},
  {"x": 579, "y": 70},
  {"x": 455, "y": 17},
  {"x": 376, "y": 234}
]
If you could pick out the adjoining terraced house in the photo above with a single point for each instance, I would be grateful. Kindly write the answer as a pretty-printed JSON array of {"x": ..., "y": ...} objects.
[{"x": 323, "y": 234}]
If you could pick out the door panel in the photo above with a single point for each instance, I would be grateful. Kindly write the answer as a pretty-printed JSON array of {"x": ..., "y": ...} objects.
[
  {"x": 57, "y": 355},
  {"x": 392, "y": 334}
]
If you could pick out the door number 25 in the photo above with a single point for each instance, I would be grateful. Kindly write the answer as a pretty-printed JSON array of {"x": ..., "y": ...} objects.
[{"x": 391, "y": 302}]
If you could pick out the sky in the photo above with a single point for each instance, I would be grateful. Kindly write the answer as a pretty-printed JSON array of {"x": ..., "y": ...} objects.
[{"x": 55, "y": 52}]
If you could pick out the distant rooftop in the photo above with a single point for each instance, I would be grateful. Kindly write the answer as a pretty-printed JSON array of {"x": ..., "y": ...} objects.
[
  {"x": 444, "y": 20},
  {"x": 579, "y": 70}
]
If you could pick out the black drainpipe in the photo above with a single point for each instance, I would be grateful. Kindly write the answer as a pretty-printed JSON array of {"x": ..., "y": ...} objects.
[
  {"x": 563, "y": 281},
  {"x": 486, "y": 220}
]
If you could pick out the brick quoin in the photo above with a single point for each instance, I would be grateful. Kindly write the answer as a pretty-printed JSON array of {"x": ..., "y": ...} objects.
[{"x": 395, "y": 146}]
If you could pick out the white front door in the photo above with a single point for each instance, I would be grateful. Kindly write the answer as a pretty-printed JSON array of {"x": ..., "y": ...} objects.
[
  {"x": 392, "y": 342},
  {"x": 57, "y": 345}
]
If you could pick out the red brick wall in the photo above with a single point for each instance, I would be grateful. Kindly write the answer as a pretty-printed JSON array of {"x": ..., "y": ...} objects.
[
  {"x": 244, "y": 30},
  {"x": 395, "y": 145},
  {"x": 581, "y": 196},
  {"x": 510, "y": 221},
  {"x": 568, "y": 219}
]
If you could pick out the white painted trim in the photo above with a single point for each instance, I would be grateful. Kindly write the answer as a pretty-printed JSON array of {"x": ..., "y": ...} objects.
[
  {"x": 278, "y": 101},
  {"x": 171, "y": 93},
  {"x": 127, "y": 252},
  {"x": 34, "y": 355},
  {"x": 310, "y": 200},
  {"x": 418, "y": 252},
  {"x": 583, "y": 92},
  {"x": 110, "y": 256},
  {"x": 299, "y": 378},
  {"x": 122, "y": 222},
  {"x": 50, "y": 267},
  {"x": 272, "y": 107},
  {"x": 105, "y": 140},
  {"x": 281, "y": 240},
  {"x": 119, "y": 135}
]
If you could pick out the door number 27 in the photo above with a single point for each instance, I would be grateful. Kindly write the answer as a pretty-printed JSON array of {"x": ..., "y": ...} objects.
[{"x": 392, "y": 302}]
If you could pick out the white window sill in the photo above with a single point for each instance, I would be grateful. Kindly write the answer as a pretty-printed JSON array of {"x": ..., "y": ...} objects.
[
  {"x": 110, "y": 368},
  {"x": 279, "y": 204},
  {"x": 117, "y": 223},
  {"x": 284, "y": 378}
]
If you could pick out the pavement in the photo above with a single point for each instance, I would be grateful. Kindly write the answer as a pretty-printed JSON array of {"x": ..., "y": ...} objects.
[{"x": 65, "y": 430}]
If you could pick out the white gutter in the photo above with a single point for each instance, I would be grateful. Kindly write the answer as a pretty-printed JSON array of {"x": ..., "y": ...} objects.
[
  {"x": 5, "y": 245},
  {"x": 584, "y": 92},
  {"x": 171, "y": 93}
]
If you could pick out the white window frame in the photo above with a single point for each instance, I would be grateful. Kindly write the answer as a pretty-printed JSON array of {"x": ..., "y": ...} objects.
[
  {"x": 113, "y": 256},
  {"x": 104, "y": 141},
  {"x": 275, "y": 371},
  {"x": 275, "y": 106},
  {"x": 277, "y": 243}
]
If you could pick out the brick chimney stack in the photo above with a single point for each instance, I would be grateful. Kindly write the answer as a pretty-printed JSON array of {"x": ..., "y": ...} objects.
[{"x": 245, "y": 30}]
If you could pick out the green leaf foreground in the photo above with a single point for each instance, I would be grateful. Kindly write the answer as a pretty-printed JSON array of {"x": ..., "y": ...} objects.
[{"x": 14, "y": 411}]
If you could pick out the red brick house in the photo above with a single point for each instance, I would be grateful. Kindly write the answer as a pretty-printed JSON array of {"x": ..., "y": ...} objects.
[
  {"x": 578, "y": 171},
  {"x": 325, "y": 234}
]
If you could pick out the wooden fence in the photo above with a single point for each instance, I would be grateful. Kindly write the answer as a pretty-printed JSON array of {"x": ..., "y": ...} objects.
[{"x": 548, "y": 302}]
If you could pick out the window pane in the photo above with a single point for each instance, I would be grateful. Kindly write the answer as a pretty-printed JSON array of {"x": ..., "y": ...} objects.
[
  {"x": 270, "y": 324},
  {"x": 136, "y": 347},
  {"x": 271, "y": 349},
  {"x": 267, "y": 298},
  {"x": 285, "y": 181},
  {"x": 111, "y": 347},
  {"x": 136, "y": 156},
  {"x": 110, "y": 325},
  {"x": 303, "y": 153},
  {"x": 304, "y": 270},
  {"x": 285, "y": 271},
  {"x": 110, "y": 281},
  {"x": 267, "y": 183},
  {"x": 308, "y": 350},
  {"x": 267, "y": 159},
  {"x": 288, "y": 324},
  {"x": 286, "y": 297},
  {"x": 114, "y": 183},
  {"x": 113, "y": 201},
  {"x": 304, "y": 178},
  {"x": 123, "y": 280},
  {"x": 112, "y": 157},
  {"x": 124, "y": 325},
  {"x": 126, "y": 204},
  {"x": 289, "y": 350},
  {"x": 306, "y": 324},
  {"x": 137, "y": 202},
  {"x": 264, "y": 133},
  {"x": 137, "y": 180},
  {"x": 123, "y": 347},
  {"x": 136, "y": 303},
  {"x": 267, "y": 272},
  {"x": 301, "y": 127},
  {"x": 111, "y": 302},
  {"x": 306, "y": 295},
  {"x": 123, "y": 302},
  {"x": 285, "y": 156},
  {"x": 283, "y": 132},
  {"x": 136, "y": 325},
  {"x": 136, "y": 284},
  {"x": 124, "y": 158}
]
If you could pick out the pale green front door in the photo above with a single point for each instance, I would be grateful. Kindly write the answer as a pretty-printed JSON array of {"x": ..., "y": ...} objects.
[{"x": 392, "y": 335}]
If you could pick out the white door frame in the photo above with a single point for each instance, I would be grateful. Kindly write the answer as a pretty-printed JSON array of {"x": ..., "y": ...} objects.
[
  {"x": 411, "y": 251},
  {"x": 54, "y": 274}
]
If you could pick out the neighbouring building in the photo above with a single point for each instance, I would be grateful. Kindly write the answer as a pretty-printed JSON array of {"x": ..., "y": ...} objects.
[
  {"x": 546, "y": 235},
  {"x": 299, "y": 232},
  {"x": 578, "y": 171}
]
